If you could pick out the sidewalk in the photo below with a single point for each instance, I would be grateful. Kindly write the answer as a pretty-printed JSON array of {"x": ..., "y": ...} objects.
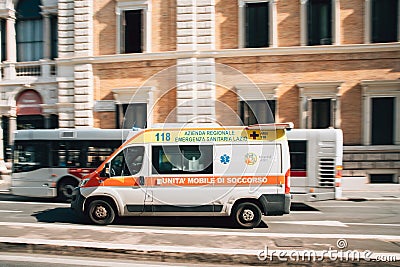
[
  {"x": 201, "y": 245},
  {"x": 5, "y": 182},
  {"x": 358, "y": 188}
]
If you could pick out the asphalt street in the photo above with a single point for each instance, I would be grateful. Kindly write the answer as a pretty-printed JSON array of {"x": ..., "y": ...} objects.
[{"x": 44, "y": 226}]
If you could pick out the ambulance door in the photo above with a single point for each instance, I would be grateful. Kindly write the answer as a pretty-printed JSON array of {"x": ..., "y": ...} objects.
[
  {"x": 247, "y": 170},
  {"x": 128, "y": 171},
  {"x": 184, "y": 179}
]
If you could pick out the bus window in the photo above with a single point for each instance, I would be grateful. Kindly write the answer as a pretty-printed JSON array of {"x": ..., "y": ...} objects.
[
  {"x": 98, "y": 151},
  {"x": 298, "y": 155},
  {"x": 68, "y": 154},
  {"x": 29, "y": 156}
]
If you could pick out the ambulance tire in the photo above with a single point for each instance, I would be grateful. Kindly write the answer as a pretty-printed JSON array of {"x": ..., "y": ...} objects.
[
  {"x": 247, "y": 215},
  {"x": 101, "y": 212}
]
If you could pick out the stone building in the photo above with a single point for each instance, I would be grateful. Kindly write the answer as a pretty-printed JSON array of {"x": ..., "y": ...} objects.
[{"x": 124, "y": 63}]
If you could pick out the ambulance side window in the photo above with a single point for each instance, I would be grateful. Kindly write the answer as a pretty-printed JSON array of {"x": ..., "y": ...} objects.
[
  {"x": 128, "y": 162},
  {"x": 183, "y": 159}
]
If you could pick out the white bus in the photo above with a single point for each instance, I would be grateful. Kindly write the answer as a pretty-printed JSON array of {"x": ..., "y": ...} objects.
[
  {"x": 51, "y": 163},
  {"x": 316, "y": 164}
]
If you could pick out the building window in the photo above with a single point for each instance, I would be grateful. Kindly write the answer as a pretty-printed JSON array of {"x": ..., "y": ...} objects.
[
  {"x": 133, "y": 26},
  {"x": 320, "y": 104},
  {"x": 3, "y": 39},
  {"x": 29, "y": 30},
  {"x": 54, "y": 36},
  {"x": 186, "y": 159},
  {"x": 382, "y": 117},
  {"x": 319, "y": 22},
  {"x": 132, "y": 31},
  {"x": 257, "y": 24},
  {"x": 381, "y": 99},
  {"x": 257, "y": 111},
  {"x": 131, "y": 115},
  {"x": 321, "y": 113},
  {"x": 384, "y": 21}
]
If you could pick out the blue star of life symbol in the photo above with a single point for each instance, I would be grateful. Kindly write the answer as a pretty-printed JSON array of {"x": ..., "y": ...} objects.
[{"x": 225, "y": 159}]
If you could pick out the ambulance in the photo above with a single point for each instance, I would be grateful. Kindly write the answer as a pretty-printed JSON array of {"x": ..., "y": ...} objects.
[{"x": 241, "y": 172}]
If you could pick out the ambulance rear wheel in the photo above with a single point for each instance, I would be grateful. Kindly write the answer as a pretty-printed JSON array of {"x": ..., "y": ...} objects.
[
  {"x": 247, "y": 215},
  {"x": 101, "y": 212}
]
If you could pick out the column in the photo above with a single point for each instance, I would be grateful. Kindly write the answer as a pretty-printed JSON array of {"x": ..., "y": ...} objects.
[
  {"x": 44, "y": 63},
  {"x": 241, "y": 24},
  {"x": 338, "y": 118},
  {"x": 12, "y": 125},
  {"x": 46, "y": 36},
  {"x": 273, "y": 34},
  {"x": 367, "y": 22},
  {"x": 366, "y": 117},
  {"x": 11, "y": 39},
  {"x": 303, "y": 22},
  {"x": 336, "y": 22},
  {"x": 195, "y": 78},
  {"x": 9, "y": 65},
  {"x": 302, "y": 108}
]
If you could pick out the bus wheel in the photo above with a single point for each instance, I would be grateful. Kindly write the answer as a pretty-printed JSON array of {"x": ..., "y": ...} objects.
[
  {"x": 101, "y": 212},
  {"x": 65, "y": 189},
  {"x": 247, "y": 215}
]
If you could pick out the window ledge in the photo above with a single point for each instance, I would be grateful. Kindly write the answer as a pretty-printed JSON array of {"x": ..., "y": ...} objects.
[{"x": 242, "y": 52}]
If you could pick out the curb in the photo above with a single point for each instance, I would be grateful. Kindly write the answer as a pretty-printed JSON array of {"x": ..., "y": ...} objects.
[
  {"x": 171, "y": 255},
  {"x": 129, "y": 252}
]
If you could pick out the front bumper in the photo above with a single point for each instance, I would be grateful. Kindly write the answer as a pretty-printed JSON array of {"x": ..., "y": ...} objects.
[
  {"x": 78, "y": 201},
  {"x": 275, "y": 204}
]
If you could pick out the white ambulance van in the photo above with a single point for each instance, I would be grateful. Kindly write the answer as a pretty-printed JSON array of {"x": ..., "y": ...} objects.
[{"x": 239, "y": 172}]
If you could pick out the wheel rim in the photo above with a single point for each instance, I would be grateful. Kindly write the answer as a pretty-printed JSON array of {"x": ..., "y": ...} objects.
[
  {"x": 248, "y": 215},
  {"x": 100, "y": 212}
]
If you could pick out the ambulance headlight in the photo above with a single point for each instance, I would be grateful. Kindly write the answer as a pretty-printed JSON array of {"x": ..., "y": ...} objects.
[{"x": 83, "y": 182}]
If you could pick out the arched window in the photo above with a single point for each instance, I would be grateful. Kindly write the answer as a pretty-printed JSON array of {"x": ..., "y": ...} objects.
[{"x": 29, "y": 28}]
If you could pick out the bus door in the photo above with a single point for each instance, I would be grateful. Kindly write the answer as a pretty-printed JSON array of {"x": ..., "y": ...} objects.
[
  {"x": 299, "y": 166},
  {"x": 31, "y": 172},
  {"x": 127, "y": 172}
]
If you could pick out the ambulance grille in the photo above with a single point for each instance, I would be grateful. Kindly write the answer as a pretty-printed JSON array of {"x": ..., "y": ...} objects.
[{"x": 326, "y": 172}]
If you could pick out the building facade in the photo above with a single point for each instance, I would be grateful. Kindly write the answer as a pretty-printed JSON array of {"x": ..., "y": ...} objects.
[{"x": 125, "y": 63}]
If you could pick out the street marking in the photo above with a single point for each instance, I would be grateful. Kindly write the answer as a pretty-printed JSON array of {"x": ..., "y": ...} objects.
[
  {"x": 375, "y": 224},
  {"x": 35, "y": 203},
  {"x": 319, "y": 223},
  {"x": 305, "y": 212},
  {"x": 344, "y": 206},
  {"x": 108, "y": 229},
  {"x": 10, "y": 211}
]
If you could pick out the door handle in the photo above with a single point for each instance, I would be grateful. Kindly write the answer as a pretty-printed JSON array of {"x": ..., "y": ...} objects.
[{"x": 141, "y": 180}]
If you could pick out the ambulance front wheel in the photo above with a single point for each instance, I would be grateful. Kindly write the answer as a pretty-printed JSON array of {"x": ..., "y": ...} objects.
[
  {"x": 247, "y": 215},
  {"x": 101, "y": 212}
]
